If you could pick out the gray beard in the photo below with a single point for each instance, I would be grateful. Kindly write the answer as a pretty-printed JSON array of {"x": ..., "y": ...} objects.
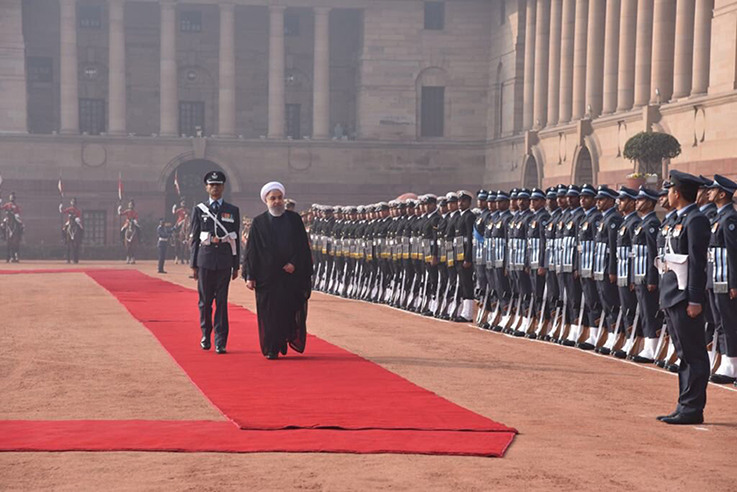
[{"x": 276, "y": 211}]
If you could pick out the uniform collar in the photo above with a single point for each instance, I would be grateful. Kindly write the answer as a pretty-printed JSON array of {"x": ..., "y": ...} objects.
[
  {"x": 704, "y": 207},
  {"x": 648, "y": 215},
  {"x": 630, "y": 215},
  {"x": 685, "y": 209},
  {"x": 590, "y": 211},
  {"x": 724, "y": 207},
  {"x": 210, "y": 201}
]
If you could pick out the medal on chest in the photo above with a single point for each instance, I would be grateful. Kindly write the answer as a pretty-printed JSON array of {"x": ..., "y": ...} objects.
[
  {"x": 677, "y": 230},
  {"x": 714, "y": 227},
  {"x": 585, "y": 226},
  {"x": 638, "y": 230},
  {"x": 622, "y": 231},
  {"x": 569, "y": 226}
]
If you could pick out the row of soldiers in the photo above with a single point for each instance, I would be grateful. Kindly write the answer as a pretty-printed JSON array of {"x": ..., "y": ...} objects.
[{"x": 581, "y": 266}]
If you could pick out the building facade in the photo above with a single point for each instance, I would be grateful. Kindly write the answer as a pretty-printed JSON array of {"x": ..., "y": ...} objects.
[{"x": 349, "y": 101}]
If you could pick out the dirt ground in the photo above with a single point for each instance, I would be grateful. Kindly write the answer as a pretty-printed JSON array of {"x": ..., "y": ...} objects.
[{"x": 586, "y": 421}]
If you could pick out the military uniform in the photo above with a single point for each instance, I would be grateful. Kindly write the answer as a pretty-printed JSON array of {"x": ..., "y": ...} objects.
[
  {"x": 605, "y": 258},
  {"x": 686, "y": 246},
  {"x": 215, "y": 255}
]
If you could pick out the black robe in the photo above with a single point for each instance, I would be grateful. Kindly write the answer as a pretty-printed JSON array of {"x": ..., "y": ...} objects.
[{"x": 281, "y": 298}]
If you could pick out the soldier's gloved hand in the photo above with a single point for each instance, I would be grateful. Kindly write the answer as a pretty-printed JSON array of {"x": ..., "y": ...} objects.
[
  {"x": 195, "y": 273},
  {"x": 733, "y": 293},
  {"x": 467, "y": 264},
  {"x": 612, "y": 278}
]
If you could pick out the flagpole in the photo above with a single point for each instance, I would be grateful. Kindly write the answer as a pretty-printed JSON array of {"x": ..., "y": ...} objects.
[
  {"x": 120, "y": 200},
  {"x": 61, "y": 205}
]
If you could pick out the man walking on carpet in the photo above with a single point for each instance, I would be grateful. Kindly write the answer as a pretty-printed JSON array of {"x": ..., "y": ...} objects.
[
  {"x": 278, "y": 266},
  {"x": 215, "y": 258}
]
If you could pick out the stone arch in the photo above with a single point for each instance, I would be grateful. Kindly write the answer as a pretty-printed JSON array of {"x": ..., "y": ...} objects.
[
  {"x": 583, "y": 167},
  {"x": 531, "y": 173},
  {"x": 166, "y": 178},
  {"x": 431, "y": 77}
]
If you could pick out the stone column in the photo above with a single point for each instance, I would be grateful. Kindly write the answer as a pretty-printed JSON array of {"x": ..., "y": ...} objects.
[
  {"x": 69, "y": 92},
  {"x": 595, "y": 56},
  {"x": 169, "y": 98},
  {"x": 556, "y": 8},
  {"x": 611, "y": 56},
  {"x": 702, "y": 46},
  {"x": 321, "y": 81},
  {"x": 579, "y": 59},
  {"x": 13, "y": 83},
  {"x": 566, "y": 60},
  {"x": 226, "y": 94},
  {"x": 643, "y": 52},
  {"x": 683, "y": 65},
  {"x": 664, "y": 27},
  {"x": 116, "y": 72},
  {"x": 542, "y": 43},
  {"x": 627, "y": 30},
  {"x": 529, "y": 92},
  {"x": 276, "y": 72}
]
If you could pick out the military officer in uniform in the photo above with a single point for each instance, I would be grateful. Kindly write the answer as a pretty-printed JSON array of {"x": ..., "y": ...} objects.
[
  {"x": 464, "y": 228},
  {"x": 722, "y": 276},
  {"x": 215, "y": 258},
  {"x": 627, "y": 297},
  {"x": 536, "y": 228},
  {"x": 645, "y": 275},
  {"x": 605, "y": 258},
  {"x": 586, "y": 238},
  {"x": 683, "y": 301}
]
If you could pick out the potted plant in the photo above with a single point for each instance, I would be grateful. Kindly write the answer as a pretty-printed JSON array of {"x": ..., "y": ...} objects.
[{"x": 647, "y": 150}]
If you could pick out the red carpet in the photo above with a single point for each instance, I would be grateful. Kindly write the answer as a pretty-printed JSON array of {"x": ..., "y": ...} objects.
[
  {"x": 209, "y": 436},
  {"x": 326, "y": 400}
]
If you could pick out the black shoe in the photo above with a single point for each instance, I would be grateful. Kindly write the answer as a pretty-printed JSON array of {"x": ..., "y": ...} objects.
[
  {"x": 586, "y": 346},
  {"x": 669, "y": 416},
  {"x": 220, "y": 350},
  {"x": 272, "y": 356},
  {"x": 684, "y": 419},
  {"x": 284, "y": 349},
  {"x": 722, "y": 379},
  {"x": 673, "y": 367},
  {"x": 205, "y": 343},
  {"x": 461, "y": 319},
  {"x": 620, "y": 354},
  {"x": 605, "y": 351},
  {"x": 519, "y": 333},
  {"x": 532, "y": 336},
  {"x": 568, "y": 343},
  {"x": 162, "y": 271},
  {"x": 642, "y": 360},
  {"x": 660, "y": 363}
]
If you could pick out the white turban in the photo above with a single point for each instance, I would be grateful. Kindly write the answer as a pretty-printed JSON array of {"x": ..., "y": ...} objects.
[{"x": 269, "y": 187}]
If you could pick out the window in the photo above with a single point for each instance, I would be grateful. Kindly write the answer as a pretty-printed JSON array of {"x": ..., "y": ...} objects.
[
  {"x": 92, "y": 116},
  {"x": 291, "y": 24},
  {"x": 191, "y": 118},
  {"x": 90, "y": 16},
  {"x": 432, "y": 112},
  {"x": 434, "y": 15},
  {"x": 40, "y": 69},
  {"x": 293, "y": 112},
  {"x": 94, "y": 223},
  {"x": 190, "y": 21}
]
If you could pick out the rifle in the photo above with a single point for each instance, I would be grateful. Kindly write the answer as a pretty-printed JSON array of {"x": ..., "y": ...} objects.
[
  {"x": 612, "y": 337},
  {"x": 575, "y": 332},
  {"x": 538, "y": 333},
  {"x": 483, "y": 308},
  {"x": 632, "y": 340},
  {"x": 527, "y": 321}
]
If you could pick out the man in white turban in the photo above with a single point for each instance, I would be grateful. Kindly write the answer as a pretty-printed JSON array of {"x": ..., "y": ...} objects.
[{"x": 278, "y": 266}]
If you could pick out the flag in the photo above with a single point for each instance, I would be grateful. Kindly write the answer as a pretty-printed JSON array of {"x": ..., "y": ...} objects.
[
  {"x": 176, "y": 182},
  {"x": 120, "y": 187},
  {"x": 61, "y": 188}
]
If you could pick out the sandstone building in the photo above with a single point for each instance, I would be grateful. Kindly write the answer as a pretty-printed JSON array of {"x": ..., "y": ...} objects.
[{"x": 349, "y": 101}]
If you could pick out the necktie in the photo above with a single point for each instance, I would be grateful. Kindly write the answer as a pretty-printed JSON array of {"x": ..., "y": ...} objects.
[{"x": 215, "y": 207}]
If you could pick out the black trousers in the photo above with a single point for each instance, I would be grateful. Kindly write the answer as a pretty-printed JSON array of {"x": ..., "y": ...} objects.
[
  {"x": 649, "y": 303},
  {"x": 503, "y": 289},
  {"x": 693, "y": 374},
  {"x": 163, "y": 246},
  {"x": 442, "y": 281},
  {"x": 212, "y": 285},
  {"x": 481, "y": 281},
  {"x": 592, "y": 301},
  {"x": 628, "y": 301},
  {"x": 465, "y": 277},
  {"x": 609, "y": 297},
  {"x": 725, "y": 311},
  {"x": 432, "y": 280}
]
